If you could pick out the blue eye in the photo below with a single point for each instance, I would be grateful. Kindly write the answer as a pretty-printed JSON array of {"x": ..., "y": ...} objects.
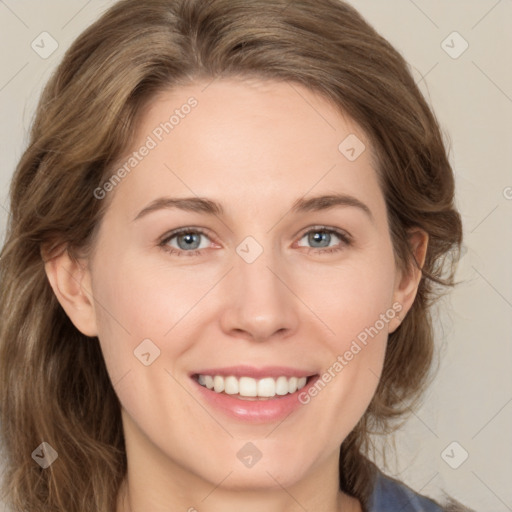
[
  {"x": 326, "y": 235},
  {"x": 189, "y": 241}
]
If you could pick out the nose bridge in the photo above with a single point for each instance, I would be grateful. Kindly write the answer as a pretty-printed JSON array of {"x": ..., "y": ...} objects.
[
  {"x": 256, "y": 268},
  {"x": 258, "y": 264},
  {"x": 261, "y": 303}
]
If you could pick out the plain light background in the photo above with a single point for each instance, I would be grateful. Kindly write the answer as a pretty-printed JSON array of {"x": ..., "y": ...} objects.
[{"x": 470, "y": 402}]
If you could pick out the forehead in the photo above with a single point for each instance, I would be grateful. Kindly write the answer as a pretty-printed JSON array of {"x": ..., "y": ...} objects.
[{"x": 245, "y": 141}]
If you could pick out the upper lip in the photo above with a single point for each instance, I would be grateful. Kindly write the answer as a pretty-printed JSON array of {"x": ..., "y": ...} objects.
[{"x": 255, "y": 373}]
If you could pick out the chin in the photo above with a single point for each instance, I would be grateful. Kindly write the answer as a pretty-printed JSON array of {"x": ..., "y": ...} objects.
[{"x": 259, "y": 478}]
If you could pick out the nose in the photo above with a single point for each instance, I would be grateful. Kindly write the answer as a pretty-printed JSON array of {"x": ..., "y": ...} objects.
[{"x": 261, "y": 304}]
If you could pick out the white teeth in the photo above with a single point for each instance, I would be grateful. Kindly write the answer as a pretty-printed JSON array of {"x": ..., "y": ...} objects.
[
  {"x": 218, "y": 384},
  {"x": 282, "y": 386},
  {"x": 247, "y": 386},
  {"x": 208, "y": 381},
  {"x": 267, "y": 387},
  {"x": 230, "y": 385}
]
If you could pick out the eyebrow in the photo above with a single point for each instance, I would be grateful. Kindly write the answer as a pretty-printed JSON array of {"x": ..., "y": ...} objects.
[{"x": 210, "y": 207}]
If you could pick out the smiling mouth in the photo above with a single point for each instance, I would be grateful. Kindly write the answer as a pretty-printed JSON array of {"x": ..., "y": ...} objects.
[{"x": 248, "y": 388}]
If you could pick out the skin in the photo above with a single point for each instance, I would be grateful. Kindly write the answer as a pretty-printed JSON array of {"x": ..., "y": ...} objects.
[{"x": 255, "y": 147}]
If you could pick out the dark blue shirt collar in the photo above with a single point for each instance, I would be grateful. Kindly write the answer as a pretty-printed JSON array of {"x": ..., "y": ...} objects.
[{"x": 390, "y": 495}]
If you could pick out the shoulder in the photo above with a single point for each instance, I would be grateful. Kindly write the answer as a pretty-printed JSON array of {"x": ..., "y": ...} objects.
[{"x": 390, "y": 495}]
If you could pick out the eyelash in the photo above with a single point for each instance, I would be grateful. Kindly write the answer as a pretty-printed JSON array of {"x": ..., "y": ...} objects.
[{"x": 344, "y": 237}]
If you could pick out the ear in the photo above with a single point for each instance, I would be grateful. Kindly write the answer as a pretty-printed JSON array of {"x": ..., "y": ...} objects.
[
  {"x": 70, "y": 280},
  {"x": 406, "y": 283}
]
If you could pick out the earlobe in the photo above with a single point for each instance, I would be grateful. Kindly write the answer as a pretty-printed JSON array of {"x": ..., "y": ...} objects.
[
  {"x": 71, "y": 283},
  {"x": 406, "y": 284}
]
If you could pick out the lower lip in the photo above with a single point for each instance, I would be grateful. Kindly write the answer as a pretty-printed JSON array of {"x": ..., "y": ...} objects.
[{"x": 255, "y": 411}]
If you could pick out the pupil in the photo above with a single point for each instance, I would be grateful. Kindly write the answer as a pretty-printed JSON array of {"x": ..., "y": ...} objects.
[
  {"x": 315, "y": 238},
  {"x": 189, "y": 237}
]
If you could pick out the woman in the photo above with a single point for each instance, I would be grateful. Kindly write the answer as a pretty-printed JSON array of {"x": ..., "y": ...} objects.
[{"x": 173, "y": 337}]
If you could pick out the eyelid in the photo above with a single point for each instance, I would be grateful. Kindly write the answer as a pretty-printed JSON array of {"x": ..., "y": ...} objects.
[
  {"x": 187, "y": 229},
  {"x": 321, "y": 227}
]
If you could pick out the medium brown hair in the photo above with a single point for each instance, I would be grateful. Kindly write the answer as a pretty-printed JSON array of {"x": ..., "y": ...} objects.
[{"x": 54, "y": 383}]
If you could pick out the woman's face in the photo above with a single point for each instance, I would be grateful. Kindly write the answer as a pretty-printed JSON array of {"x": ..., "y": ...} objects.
[{"x": 276, "y": 285}]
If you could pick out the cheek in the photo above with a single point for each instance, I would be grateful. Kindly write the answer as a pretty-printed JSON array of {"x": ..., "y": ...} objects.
[
  {"x": 356, "y": 305},
  {"x": 350, "y": 297},
  {"x": 141, "y": 299},
  {"x": 150, "y": 308}
]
